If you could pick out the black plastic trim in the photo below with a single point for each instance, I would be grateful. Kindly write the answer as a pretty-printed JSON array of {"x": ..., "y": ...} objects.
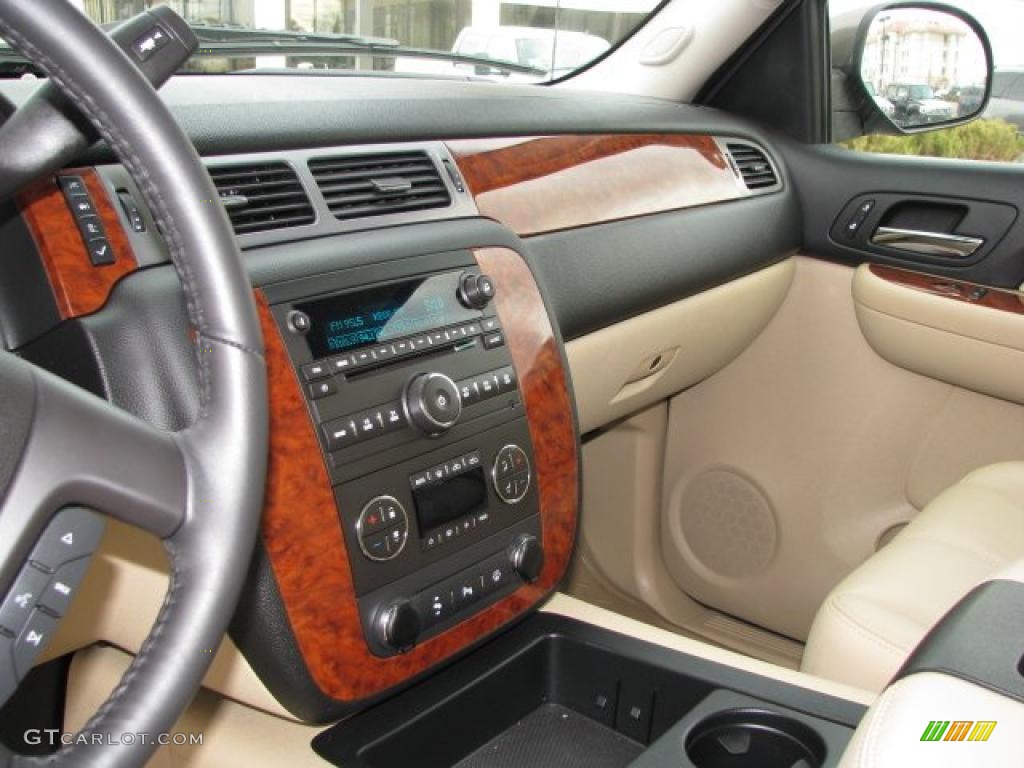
[
  {"x": 581, "y": 660},
  {"x": 27, "y": 305},
  {"x": 981, "y": 640}
]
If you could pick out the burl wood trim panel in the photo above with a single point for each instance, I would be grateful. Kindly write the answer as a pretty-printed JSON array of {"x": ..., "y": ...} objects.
[
  {"x": 952, "y": 289},
  {"x": 304, "y": 538},
  {"x": 544, "y": 184},
  {"x": 78, "y": 287}
]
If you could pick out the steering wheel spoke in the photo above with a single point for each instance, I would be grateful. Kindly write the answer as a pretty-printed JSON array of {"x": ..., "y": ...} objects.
[{"x": 80, "y": 451}]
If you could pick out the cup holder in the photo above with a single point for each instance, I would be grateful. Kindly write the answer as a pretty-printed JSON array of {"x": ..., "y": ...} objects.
[{"x": 745, "y": 738}]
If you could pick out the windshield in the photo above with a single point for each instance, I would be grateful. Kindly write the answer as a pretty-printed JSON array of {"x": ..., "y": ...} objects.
[{"x": 497, "y": 40}]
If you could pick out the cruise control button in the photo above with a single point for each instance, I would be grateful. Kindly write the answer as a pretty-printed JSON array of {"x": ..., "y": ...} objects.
[
  {"x": 22, "y": 598},
  {"x": 75, "y": 532},
  {"x": 64, "y": 586},
  {"x": 33, "y": 638}
]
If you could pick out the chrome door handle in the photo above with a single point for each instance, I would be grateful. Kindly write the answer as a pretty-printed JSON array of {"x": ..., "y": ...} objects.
[{"x": 928, "y": 243}]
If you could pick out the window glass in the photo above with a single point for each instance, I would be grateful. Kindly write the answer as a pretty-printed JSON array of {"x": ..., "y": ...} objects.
[{"x": 544, "y": 39}]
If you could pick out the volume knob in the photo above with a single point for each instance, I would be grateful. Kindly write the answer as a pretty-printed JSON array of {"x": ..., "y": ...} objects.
[
  {"x": 398, "y": 625},
  {"x": 432, "y": 402}
]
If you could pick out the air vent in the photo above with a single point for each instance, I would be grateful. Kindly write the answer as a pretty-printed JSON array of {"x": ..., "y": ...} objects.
[
  {"x": 262, "y": 197},
  {"x": 355, "y": 186},
  {"x": 754, "y": 166}
]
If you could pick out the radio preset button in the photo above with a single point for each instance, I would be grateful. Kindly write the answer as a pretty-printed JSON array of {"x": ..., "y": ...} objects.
[
  {"x": 314, "y": 371},
  {"x": 342, "y": 363},
  {"x": 340, "y": 433}
]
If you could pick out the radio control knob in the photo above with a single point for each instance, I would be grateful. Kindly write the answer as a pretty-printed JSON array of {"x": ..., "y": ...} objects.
[
  {"x": 476, "y": 291},
  {"x": 432, "y": 403},
  {"x": 527, "y": 556},
  {"x": 398, "y": 625}
]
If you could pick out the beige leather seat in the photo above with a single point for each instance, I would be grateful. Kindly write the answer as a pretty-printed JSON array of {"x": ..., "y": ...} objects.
[{"x": 876, "y": 616}]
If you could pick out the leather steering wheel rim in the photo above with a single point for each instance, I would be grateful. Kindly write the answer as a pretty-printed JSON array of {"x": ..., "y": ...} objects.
[{"x": 201, "y": 489}]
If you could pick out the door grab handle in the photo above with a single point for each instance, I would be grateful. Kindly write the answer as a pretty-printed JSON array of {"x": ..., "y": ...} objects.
[{"x": 928, "y": 243}]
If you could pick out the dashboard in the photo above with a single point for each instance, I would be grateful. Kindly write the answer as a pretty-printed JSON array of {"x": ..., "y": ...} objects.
[{"x": 415, "y": 298}]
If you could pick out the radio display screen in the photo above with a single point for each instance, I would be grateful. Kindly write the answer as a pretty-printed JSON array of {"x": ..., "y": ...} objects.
[
  {"x": 346, "y": 321},
  {"x": 450, "y": 500}
]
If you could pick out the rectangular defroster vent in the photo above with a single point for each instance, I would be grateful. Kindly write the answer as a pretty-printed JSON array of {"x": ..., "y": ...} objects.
[
  {"x": 754, "y": 166},
  {"x": 262, "y": 197},
  {"x": 356, "y": 186}
]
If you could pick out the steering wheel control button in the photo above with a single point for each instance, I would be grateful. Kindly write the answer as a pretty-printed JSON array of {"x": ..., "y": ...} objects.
[
  {"x": 74, "y": 533},
  {"x": 73, "y": 186},
  {"x": 382, "y": 528},
  {"x": 511, "y": 474},
  {"x": 23, "y": 597},
  {"x": 63, "y": 586},
  {"x": 432, "y": 403},
  {"x": 299, "y": 322},
  {"x": 33, "y": 638},
  {"x": 475, "y": 290}
]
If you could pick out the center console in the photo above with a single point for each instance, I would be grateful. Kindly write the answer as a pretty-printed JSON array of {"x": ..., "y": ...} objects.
[{"x": 423, "y": 476}]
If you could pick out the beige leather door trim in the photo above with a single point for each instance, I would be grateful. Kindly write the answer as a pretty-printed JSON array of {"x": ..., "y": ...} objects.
[{"x": 972, "y": 346}]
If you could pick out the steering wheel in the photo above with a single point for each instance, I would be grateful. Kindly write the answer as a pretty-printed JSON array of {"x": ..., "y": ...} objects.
[{"x": 200, "y": 490}]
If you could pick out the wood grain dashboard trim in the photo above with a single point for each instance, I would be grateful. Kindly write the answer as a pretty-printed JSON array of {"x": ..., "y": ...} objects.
[
  {"x": 550, "y": 183},
  {"x": 955, "y": 290},
  {"x": 303, "y": 535},
  {"x": 79, "y": 287}
]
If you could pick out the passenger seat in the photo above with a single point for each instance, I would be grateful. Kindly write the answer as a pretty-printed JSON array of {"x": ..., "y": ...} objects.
[{"x": 877, "y": 615}]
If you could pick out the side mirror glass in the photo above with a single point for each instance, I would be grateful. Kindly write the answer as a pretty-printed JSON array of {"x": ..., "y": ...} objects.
[
  {"x": 913, "y": 67},
  {"x": 924, "y": 68}
]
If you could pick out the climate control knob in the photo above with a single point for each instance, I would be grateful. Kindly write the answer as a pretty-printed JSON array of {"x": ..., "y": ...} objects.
[
  {"x": 432, "y": 403},
  {"x": 527, "y": 556},
  {"x": 398, "y": 625}
]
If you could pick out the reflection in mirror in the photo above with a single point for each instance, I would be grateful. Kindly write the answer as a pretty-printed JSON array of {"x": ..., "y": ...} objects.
[{"x": 924, "y": 67}]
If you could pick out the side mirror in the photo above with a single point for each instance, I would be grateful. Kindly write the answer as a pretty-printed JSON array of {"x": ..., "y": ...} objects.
[{"x": 908, "y": 67}]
